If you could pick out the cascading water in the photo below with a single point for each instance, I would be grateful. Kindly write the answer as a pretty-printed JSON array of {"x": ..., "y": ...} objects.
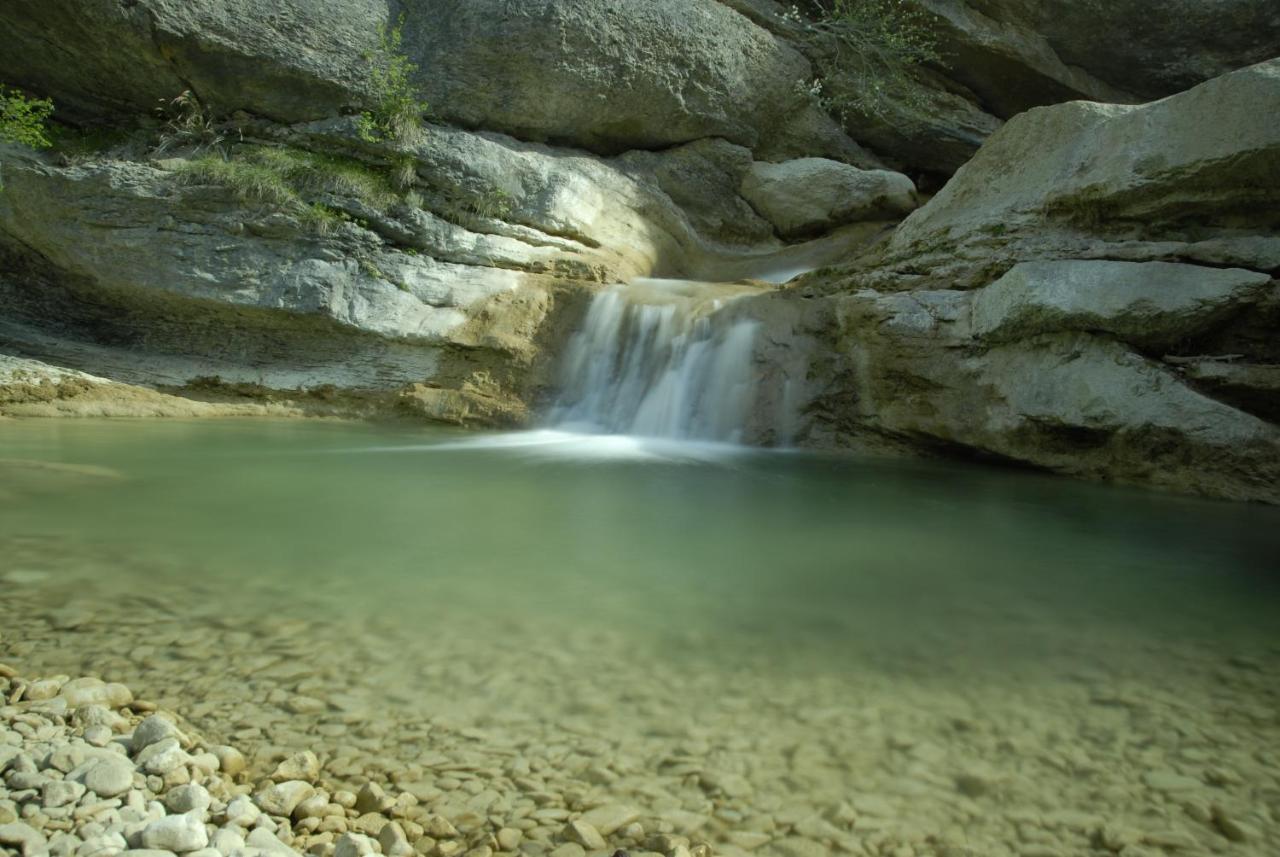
[{"x": 660, "y": 358}]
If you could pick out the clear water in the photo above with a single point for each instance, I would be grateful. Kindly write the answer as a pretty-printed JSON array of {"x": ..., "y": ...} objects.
[{"x": 746, "y": 603}]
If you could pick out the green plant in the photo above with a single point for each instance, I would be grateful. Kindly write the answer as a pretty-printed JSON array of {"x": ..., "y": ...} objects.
[
  {"x": 395, "y": 112},
  {"x": 23, "y": 120},
  {"x": 293, "y": 181},
  {"x": 876, "y": 44},
  {"x": 187, "y": 122}
]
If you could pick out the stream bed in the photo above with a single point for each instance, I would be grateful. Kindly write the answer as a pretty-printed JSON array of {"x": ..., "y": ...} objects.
[{"x": 774, "y": 652}]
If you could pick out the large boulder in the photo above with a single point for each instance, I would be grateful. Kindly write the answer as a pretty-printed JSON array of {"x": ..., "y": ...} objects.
[
  {"x": 611, "y": 76},
  {"x": 1093, "y": 293},
  {"x": 1088, "y": 180},
  {"x": 289, "y": 59},
  {"x": 812, "y": 195}
]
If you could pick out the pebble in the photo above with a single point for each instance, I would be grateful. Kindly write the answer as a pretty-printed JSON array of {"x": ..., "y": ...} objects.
[
  {"x": 94, "y": 691},
  {"x": 353, "y": 845},
  {"x": 177, "y": 833},
  {"x": 1231, "y": 827},
  {"x": 1170, "y": 781},
  {"x": 584, "y": 834},
  {"x": 282, "y": 798},
  {"x": 509, "y": 838},
  {"x": 110, "y": 777},
  {"x": 189, "y": 798},
  {"x": 153, "y": 730},
  {"x": 61, "y": 793},
  {"x": 299, "y": 766},
  {"x": 611, "y": 817},
  {"x": 28, "y": 840},
  {"x": 266, "y": 841},
  {"x": 230, "y": 760},
  {"x": 162, "y": 757}
]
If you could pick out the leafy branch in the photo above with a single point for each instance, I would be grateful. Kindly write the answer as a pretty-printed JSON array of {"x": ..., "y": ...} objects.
[
  {"x": 22, "y": 119},
  {"x": 876, "y": 43},
  {"x": 395, "y": 113}
]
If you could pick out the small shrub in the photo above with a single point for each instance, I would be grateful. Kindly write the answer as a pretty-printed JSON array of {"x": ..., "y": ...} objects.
[
  {"x": 24, "y": 120},
  {"x": 395, "y": 114},
  {"x": 877, "y": 43},
  {"x": 187, "y": 122}
]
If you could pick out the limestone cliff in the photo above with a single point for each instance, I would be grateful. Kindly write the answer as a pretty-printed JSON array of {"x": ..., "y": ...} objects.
[{"x": 1093, "y": 292}]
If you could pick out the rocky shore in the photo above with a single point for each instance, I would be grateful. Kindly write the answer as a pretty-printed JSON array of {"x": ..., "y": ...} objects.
[{"x": 90, "y": 771}]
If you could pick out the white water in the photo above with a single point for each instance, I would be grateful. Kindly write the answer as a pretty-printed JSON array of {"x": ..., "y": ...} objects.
[{"x": 657, "y": 358}]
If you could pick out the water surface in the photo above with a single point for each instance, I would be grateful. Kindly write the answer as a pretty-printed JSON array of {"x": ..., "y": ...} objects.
[{"x": 811, "y": 631}]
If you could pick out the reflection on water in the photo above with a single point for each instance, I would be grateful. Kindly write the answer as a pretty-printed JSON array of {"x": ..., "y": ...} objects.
[{"x": 813, "y": 627}]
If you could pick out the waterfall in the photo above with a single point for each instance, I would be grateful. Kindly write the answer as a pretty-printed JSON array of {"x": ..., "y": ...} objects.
[{"x": 660, "y": 358}]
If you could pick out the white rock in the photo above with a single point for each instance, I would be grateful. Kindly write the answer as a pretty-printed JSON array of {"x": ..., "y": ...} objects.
[
  {"x": 242, "y": 812},
  {"x": 265, "y": 840},
  {"x": 93, "y": 691},
  {"x": 27, "y": 839},
  {"x": 610, "y": 817},
  {"x": 353, "y": 845},
  {"x": 189, "y": 798},
  {"x": 178, "y": 833},
  {"x": 61, "y": 793},
  {"x": 300, "y": 766},
  {"x": 228, "y": 840},
  {"x": 282, "y": 798},
  {"x": 153, "y": 730},
  {"x": 162, "y": 757},
  {"x": 98, "y": 735},
  {"x": 816, "y": 194},
  {"x": 109, "y": 777},
  {"x": 230, "y": 760}
]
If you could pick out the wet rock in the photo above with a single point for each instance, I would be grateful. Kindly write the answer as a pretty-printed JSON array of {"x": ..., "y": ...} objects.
[
  {"x": 584, "y": 834},
  {"x": 611, "y": 817},
  {"x": 1170, "y": 782}
]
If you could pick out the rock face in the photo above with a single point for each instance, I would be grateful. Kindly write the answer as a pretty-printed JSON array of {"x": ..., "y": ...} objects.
[
  {"x": 612, "y": 76},
  {"x": 1124, "y": 43},
  {"x": 814, "y": 195},
  {"x": 1053, "y": 305},
  {"x": 1151, "y": 304},
  {"x": 289, "y": 60}
]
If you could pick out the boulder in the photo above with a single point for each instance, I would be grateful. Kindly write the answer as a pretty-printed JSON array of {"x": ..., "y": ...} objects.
[
  {"x": 610, "y": 76},
  {"x": 289, "y": 60},
  {"x": 812, "y": 195},
  {"x": 1078, "y": 179},
  {"x": 1150, "y": 304}
]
